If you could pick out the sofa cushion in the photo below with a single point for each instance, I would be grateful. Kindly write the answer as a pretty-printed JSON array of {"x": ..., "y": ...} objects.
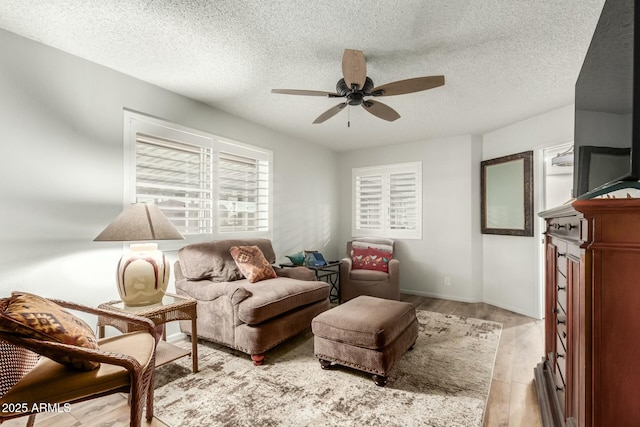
[
  {"x": 212, "y": 260},
  {"x": 370, "y": 259},
  {"x": 32, "y": 316},
  {"x": 385, "y": 245},
  {"x": 365, "y": 321},
  {"x": 252, "y": 263},
  {"x": 273, "y": 297}
]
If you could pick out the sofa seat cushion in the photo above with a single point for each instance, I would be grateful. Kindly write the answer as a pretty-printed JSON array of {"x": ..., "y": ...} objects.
[
  {"x": 365, "y": 321},
  {"x": 368, "y": 275},
  {"x": 273, "y": 297}
]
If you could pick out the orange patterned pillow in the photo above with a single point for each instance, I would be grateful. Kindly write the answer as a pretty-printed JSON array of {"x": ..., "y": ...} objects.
[
  {"x": 32, "y": 316},
  {"x": 252, "y": 263}
]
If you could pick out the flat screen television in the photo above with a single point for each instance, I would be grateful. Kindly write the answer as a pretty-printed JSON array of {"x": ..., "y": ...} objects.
[{"x": 607, "y": 126}]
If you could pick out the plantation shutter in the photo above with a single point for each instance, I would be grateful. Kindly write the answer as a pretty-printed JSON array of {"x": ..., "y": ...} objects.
[
  {"x": 178, "y": 177},
  {"x": 387, "y": 201},
  {"x": 243, "y": 191},
  {"x": 403, "y": 201},
  {"x": 368, "y": 203}
]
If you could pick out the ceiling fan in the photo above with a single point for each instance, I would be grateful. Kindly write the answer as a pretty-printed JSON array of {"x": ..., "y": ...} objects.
[{"x": 355, "y": 86}]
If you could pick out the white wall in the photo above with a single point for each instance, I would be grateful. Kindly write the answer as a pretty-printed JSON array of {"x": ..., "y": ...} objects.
[
  {"x": 61, "y": 170},
  {"x": 511, "y": 264},
  {"x": 451, "y": 215}
]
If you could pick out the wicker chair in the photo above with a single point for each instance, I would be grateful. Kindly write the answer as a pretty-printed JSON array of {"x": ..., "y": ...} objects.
[{"x": 127, "y": 363}]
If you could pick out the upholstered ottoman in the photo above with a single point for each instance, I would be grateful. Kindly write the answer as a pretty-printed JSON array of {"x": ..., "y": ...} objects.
[{"x": 366, "y": 333}]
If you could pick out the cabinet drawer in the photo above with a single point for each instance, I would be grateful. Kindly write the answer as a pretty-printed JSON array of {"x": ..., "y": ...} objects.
[
  {"x": 561, "y": 255},
  {"x": 561, "y": 291},
  {"x": 560, "y": 389},
  {"x": 568, "y": 227},
  {"x": 561, "y": 329}
]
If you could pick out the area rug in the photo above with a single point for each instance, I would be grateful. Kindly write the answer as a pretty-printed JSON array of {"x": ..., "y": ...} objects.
[{"x": 443, "y": 381}]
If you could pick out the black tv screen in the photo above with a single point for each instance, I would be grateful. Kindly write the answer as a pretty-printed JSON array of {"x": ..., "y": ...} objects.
[{"x": 606, "y": 146}]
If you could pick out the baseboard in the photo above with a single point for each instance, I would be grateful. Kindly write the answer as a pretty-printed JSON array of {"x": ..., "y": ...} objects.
[
  {"x": 179, "y": 336},
  {"x": 514, "y": 309},
  {"x": 469, "y": 300},
  {"x": 439, "y": 296}
]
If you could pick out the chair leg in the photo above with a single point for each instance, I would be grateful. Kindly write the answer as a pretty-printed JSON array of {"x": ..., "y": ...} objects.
[
  {"x": 31, "y": 420},
  {"x": 135, "y": 394},
  {"x": 149, "y": 388}
]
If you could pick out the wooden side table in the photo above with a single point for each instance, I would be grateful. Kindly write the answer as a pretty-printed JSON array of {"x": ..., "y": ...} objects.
[{"x": 172, "y": 307}]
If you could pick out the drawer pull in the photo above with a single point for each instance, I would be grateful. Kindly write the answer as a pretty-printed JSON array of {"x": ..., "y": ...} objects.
[
  {"x": 564, "y": 334},
  {"x": 559, "y": 388},
  {"x": 562, "y": 288},
  {"x": 561, "y": 322},
  {"x": 561, "y": 254},
  {"x": 571, "y": 226},
  {"x": 560, "y": 355},
  {"x": 555, "y": 310}
]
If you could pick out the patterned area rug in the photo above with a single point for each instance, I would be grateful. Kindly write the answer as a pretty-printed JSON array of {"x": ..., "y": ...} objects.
[{"x": 443, "y": 381}]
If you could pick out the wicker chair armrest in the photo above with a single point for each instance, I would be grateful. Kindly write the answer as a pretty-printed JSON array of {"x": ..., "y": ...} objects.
[
  {"x": 131, "y": 318},
  {"x": 51, "y": 349}
]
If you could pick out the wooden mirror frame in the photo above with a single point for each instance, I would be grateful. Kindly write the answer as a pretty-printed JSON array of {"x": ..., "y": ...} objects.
[{"x": 527, "y": 208}]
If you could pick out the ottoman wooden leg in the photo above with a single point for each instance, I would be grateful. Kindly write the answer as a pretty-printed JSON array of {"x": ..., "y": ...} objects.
[
  {"x": 325, "y": 364},
  {"x": 258, "y": 359},
  {"x": 380, "y": 380}
]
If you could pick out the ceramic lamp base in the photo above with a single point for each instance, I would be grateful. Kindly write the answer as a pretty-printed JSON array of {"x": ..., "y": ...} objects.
[{"x": 142, "y": 275}]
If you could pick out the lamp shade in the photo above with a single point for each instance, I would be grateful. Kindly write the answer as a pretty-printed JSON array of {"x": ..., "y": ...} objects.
[
  {"x": 139, "y": 222},
  {"x": 143, "y": 272}
]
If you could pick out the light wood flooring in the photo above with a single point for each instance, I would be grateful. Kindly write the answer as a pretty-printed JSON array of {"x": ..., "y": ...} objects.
[{"x": 512, "y": 398}]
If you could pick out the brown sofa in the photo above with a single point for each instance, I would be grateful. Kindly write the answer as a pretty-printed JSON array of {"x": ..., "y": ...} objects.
[{"x": 250, "y": 317}]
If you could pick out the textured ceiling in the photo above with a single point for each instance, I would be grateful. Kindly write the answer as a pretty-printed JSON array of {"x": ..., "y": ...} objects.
[{"x": 503, "y": 60}]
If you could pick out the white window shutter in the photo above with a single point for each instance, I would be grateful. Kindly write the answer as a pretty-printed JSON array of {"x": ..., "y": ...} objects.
[
  {"x": 178, "y": 178},
  {"x": 387, "y": 201},
  {"x": 369, "y": 213},
  {"x": 403, "y": 201},
  {"x": 243, "y": 193}
]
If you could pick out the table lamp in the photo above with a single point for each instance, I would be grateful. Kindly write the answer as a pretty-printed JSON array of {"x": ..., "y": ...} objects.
[{"x": 143, "y": 271}]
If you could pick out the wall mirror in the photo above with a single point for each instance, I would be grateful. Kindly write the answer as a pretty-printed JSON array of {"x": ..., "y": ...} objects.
[{"x": 507, "y": 195}]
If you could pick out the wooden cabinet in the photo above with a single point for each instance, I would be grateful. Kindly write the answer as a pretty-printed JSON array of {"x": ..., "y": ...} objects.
[{"x": 590, "y": 373}]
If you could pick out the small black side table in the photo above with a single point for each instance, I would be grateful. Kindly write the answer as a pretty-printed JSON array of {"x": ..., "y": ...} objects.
[{"x": 329, "y": 273}]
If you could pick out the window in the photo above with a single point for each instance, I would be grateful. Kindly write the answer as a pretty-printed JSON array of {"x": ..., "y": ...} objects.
[
  {"x": 243, "y": 190},
  {"x": 177, "y": 177},
  {"x": 387, "y": 201},
  {"x": 207, "y": 186}
]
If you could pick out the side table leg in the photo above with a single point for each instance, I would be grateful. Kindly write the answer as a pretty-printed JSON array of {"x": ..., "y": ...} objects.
[{"x": 194, "y": 342}]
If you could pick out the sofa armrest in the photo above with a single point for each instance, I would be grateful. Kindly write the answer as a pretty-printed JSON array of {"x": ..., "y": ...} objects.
[
  {"x": 347, "y": 263},
  {"x": 236, "y": 292},
  {"x": 202, "y": 290},
  {"x": 298, "y": 273}
]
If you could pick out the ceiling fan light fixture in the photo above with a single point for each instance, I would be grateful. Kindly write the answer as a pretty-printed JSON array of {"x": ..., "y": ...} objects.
[{"x": 355, "y": 86}]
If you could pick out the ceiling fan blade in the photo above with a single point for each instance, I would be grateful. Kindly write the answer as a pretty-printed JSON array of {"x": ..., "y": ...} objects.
[
  {"x": 380, "y": 110},
  {"x": 408, "y": 86},
  {"x": 305, "y": 92},
  {"x": 354, "y": 68},
  {"x": 329, "y": 113}
]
